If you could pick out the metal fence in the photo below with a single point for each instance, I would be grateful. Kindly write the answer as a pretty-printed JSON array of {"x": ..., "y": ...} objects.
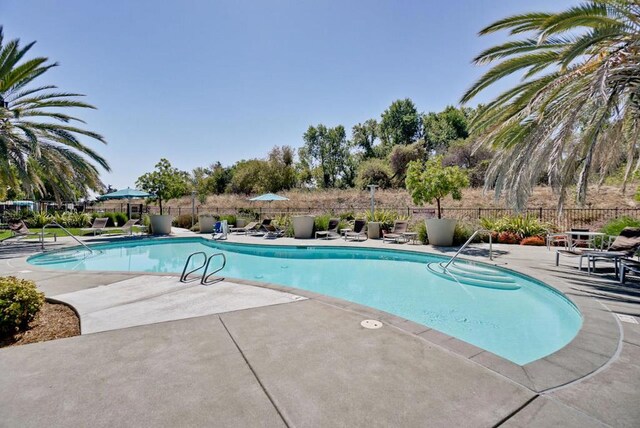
[{"x": 572, "y": 217}]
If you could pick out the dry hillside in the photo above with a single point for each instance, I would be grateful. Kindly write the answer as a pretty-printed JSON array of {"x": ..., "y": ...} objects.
[{"x": 605, "y": 197}]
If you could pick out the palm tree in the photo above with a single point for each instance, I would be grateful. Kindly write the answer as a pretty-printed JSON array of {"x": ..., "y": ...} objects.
[
  {"x": 576, "y": 109},
  {"x": 40, "y": 149}
]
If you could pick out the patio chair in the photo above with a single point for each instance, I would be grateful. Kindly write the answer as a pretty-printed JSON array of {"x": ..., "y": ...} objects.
[
  {"x": 555, "y": 239},
  {"x": 128, "y": 226},
  {"x": 332, "y": 230},
  {"x": 623, "y": 246},
  {"x": 251, "y": 226},
  {"x": 272, "y": 231},
  {"x": 627, "y": 265},
  {"x": 397, "y": 233},
  {"x": 20, "y": 231},
  {"x": 98, "y": 226},
  {"x": 359, "y": 231}
]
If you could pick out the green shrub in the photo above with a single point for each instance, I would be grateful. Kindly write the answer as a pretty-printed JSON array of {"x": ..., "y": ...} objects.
[
  {"x": 615, "y": 226},
  {"x": 20, "y": 301},
  {"x": 183, "y": 221},
  {"x": 385, "y": 217},
  {"x": 231, "y": 219},
  {"x": 521, "y": 225},
  {"x": 121, "y": 218},
  {"x": 38, "y": 220},
  {"x": 462, "y": 233},
  {"x": 283, "y": 221},
  {"x": 113, "y": 218},
  {"x": 421, "y": 229}
]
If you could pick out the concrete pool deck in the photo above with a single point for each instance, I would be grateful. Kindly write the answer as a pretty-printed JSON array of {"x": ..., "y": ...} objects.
[{"x": 310, "y": 363}]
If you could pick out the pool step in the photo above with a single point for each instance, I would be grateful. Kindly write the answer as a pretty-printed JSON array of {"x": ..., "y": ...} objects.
[
  {"x": 76, "y": 256},
  {"x": 474, "y": 275}
]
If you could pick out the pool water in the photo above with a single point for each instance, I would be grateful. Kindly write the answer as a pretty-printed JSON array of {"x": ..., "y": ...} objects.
[{"x": 520, "y": 325}]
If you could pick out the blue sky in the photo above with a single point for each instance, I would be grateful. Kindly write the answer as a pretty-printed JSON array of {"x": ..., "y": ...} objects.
[{"x": 199, "y": 81}]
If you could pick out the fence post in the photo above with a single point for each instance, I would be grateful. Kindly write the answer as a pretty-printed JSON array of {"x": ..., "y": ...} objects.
[{"x": 479, "y": 213}]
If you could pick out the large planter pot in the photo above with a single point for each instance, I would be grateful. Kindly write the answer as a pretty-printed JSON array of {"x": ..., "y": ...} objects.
[
  {"x": 440, "y": 231},
  {"x": 241, "y": 222},
  {"x": 161, "y": 224},
  {"x": 303, "y": 226},
  {"x": 373, "y": 230},
  {"x": 206, "y": 223}
]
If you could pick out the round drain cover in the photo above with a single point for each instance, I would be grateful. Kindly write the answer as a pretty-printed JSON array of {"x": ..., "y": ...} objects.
[{"x": 372, "y": 324}]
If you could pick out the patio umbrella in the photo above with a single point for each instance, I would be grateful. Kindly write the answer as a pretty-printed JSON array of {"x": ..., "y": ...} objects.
[
  {"x": 127, "y": 194},
  {"x": 269, "y": 197}
]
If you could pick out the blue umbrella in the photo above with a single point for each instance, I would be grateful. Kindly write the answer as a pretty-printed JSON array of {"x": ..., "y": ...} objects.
[
  {"x": 127, "y": 193},
  {"x": 269, "y": 197}
]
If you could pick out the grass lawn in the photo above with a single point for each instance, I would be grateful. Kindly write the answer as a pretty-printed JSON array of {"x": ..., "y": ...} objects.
[{"x": 76, "y": 231}]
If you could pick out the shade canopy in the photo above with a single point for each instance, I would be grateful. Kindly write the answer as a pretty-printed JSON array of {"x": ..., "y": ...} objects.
[
  {"x": 127, "y": 193},
  {"x": 269, "y": 197}
]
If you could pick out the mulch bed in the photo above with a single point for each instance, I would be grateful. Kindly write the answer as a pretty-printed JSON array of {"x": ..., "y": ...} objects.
[{"x": 54, "y": 321}]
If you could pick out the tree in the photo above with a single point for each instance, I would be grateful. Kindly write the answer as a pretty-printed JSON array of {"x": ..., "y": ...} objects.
[
  {"x": 166, "y": 182},
  {"x": 280, "y": 173},
  {"x": 364, "y": 136},
  {"x": 580, "y": 93},
  {"x": 401, "y": 156},
  {"x": 326, "y": 151},
  {"x": 39, "y": 148},
  {"x": 374, "y": 171},
  {"x": 400, "y": 124},
  {"x": 440, "y": 129},
  {"x": 431, "y": 180},
  {"x": 462, "y": 153},
  {"x": 247, "y": 176}
]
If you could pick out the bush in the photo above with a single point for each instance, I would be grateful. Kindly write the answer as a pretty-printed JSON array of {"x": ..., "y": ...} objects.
[
  {"x": 183, "y": 221},
  {"x": 537, "y": 241},
  {"x": 20, "y": 301},
  {"x": 462, "y": 233},
  {"x": 615, "y": 226},
  {"x": 38, "y": 219},
  {"x": 507, "y": 237},
  {"x": 421, "y": 229},
  {"x": 120, "y": 218},
  {"x": 521, "y": 226}
]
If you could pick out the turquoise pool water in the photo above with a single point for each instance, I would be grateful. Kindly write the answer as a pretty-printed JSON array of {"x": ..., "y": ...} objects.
[{"x": 520, "y": 325}]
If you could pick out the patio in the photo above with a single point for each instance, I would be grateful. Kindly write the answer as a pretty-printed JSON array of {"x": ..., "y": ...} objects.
[{"x": 306, "y": 361}]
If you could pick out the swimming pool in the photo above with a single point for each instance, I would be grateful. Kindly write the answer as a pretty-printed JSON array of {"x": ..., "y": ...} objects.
[{"x": 521, "y": 325}]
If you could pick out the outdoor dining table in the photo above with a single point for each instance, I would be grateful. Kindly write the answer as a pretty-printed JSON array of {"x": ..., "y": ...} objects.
[{"x": 575, "y": 235}]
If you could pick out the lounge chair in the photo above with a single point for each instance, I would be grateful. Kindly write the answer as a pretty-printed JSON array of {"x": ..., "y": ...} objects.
[
  {"x": 272, "y": 231},
  {"x": 332, "y": 230},
  {"x": 98, "y": 226},
  {"x": 128, "y": 226},
  {"x": 251, "y": 226},
  {"x": 20, "y": 231},
  {"x": 398, "y": 233},
  {"x": 623, "y": 246},
  {"x": 359, "y": 231},
  {"x": 627, "y": 265}
]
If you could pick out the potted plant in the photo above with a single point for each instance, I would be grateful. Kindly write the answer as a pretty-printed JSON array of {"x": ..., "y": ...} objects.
[
  {"x": 303, "y": 226},
  {"x": 206, "y": 222},
  {"x": 165, "y": 183},
  {"x": 429, "y": 181}
]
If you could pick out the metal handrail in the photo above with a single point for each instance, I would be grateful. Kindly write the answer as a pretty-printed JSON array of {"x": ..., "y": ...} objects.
[
  {"x": 205, "y": 277},
  {"x": 185, "y": 274},
  {"x": 65, "y": 231},
  {"x": 468, "y": 242}
]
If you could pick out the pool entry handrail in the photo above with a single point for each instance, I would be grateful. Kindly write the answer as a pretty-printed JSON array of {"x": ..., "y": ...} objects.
[
  {"x": 205, "y": 264},
  {"x": 466, "y": 244},
  {"x": 55, "y": 224}
]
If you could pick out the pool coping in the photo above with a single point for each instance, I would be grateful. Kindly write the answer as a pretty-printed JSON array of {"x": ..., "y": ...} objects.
[{"x": 596, "y": 344}]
